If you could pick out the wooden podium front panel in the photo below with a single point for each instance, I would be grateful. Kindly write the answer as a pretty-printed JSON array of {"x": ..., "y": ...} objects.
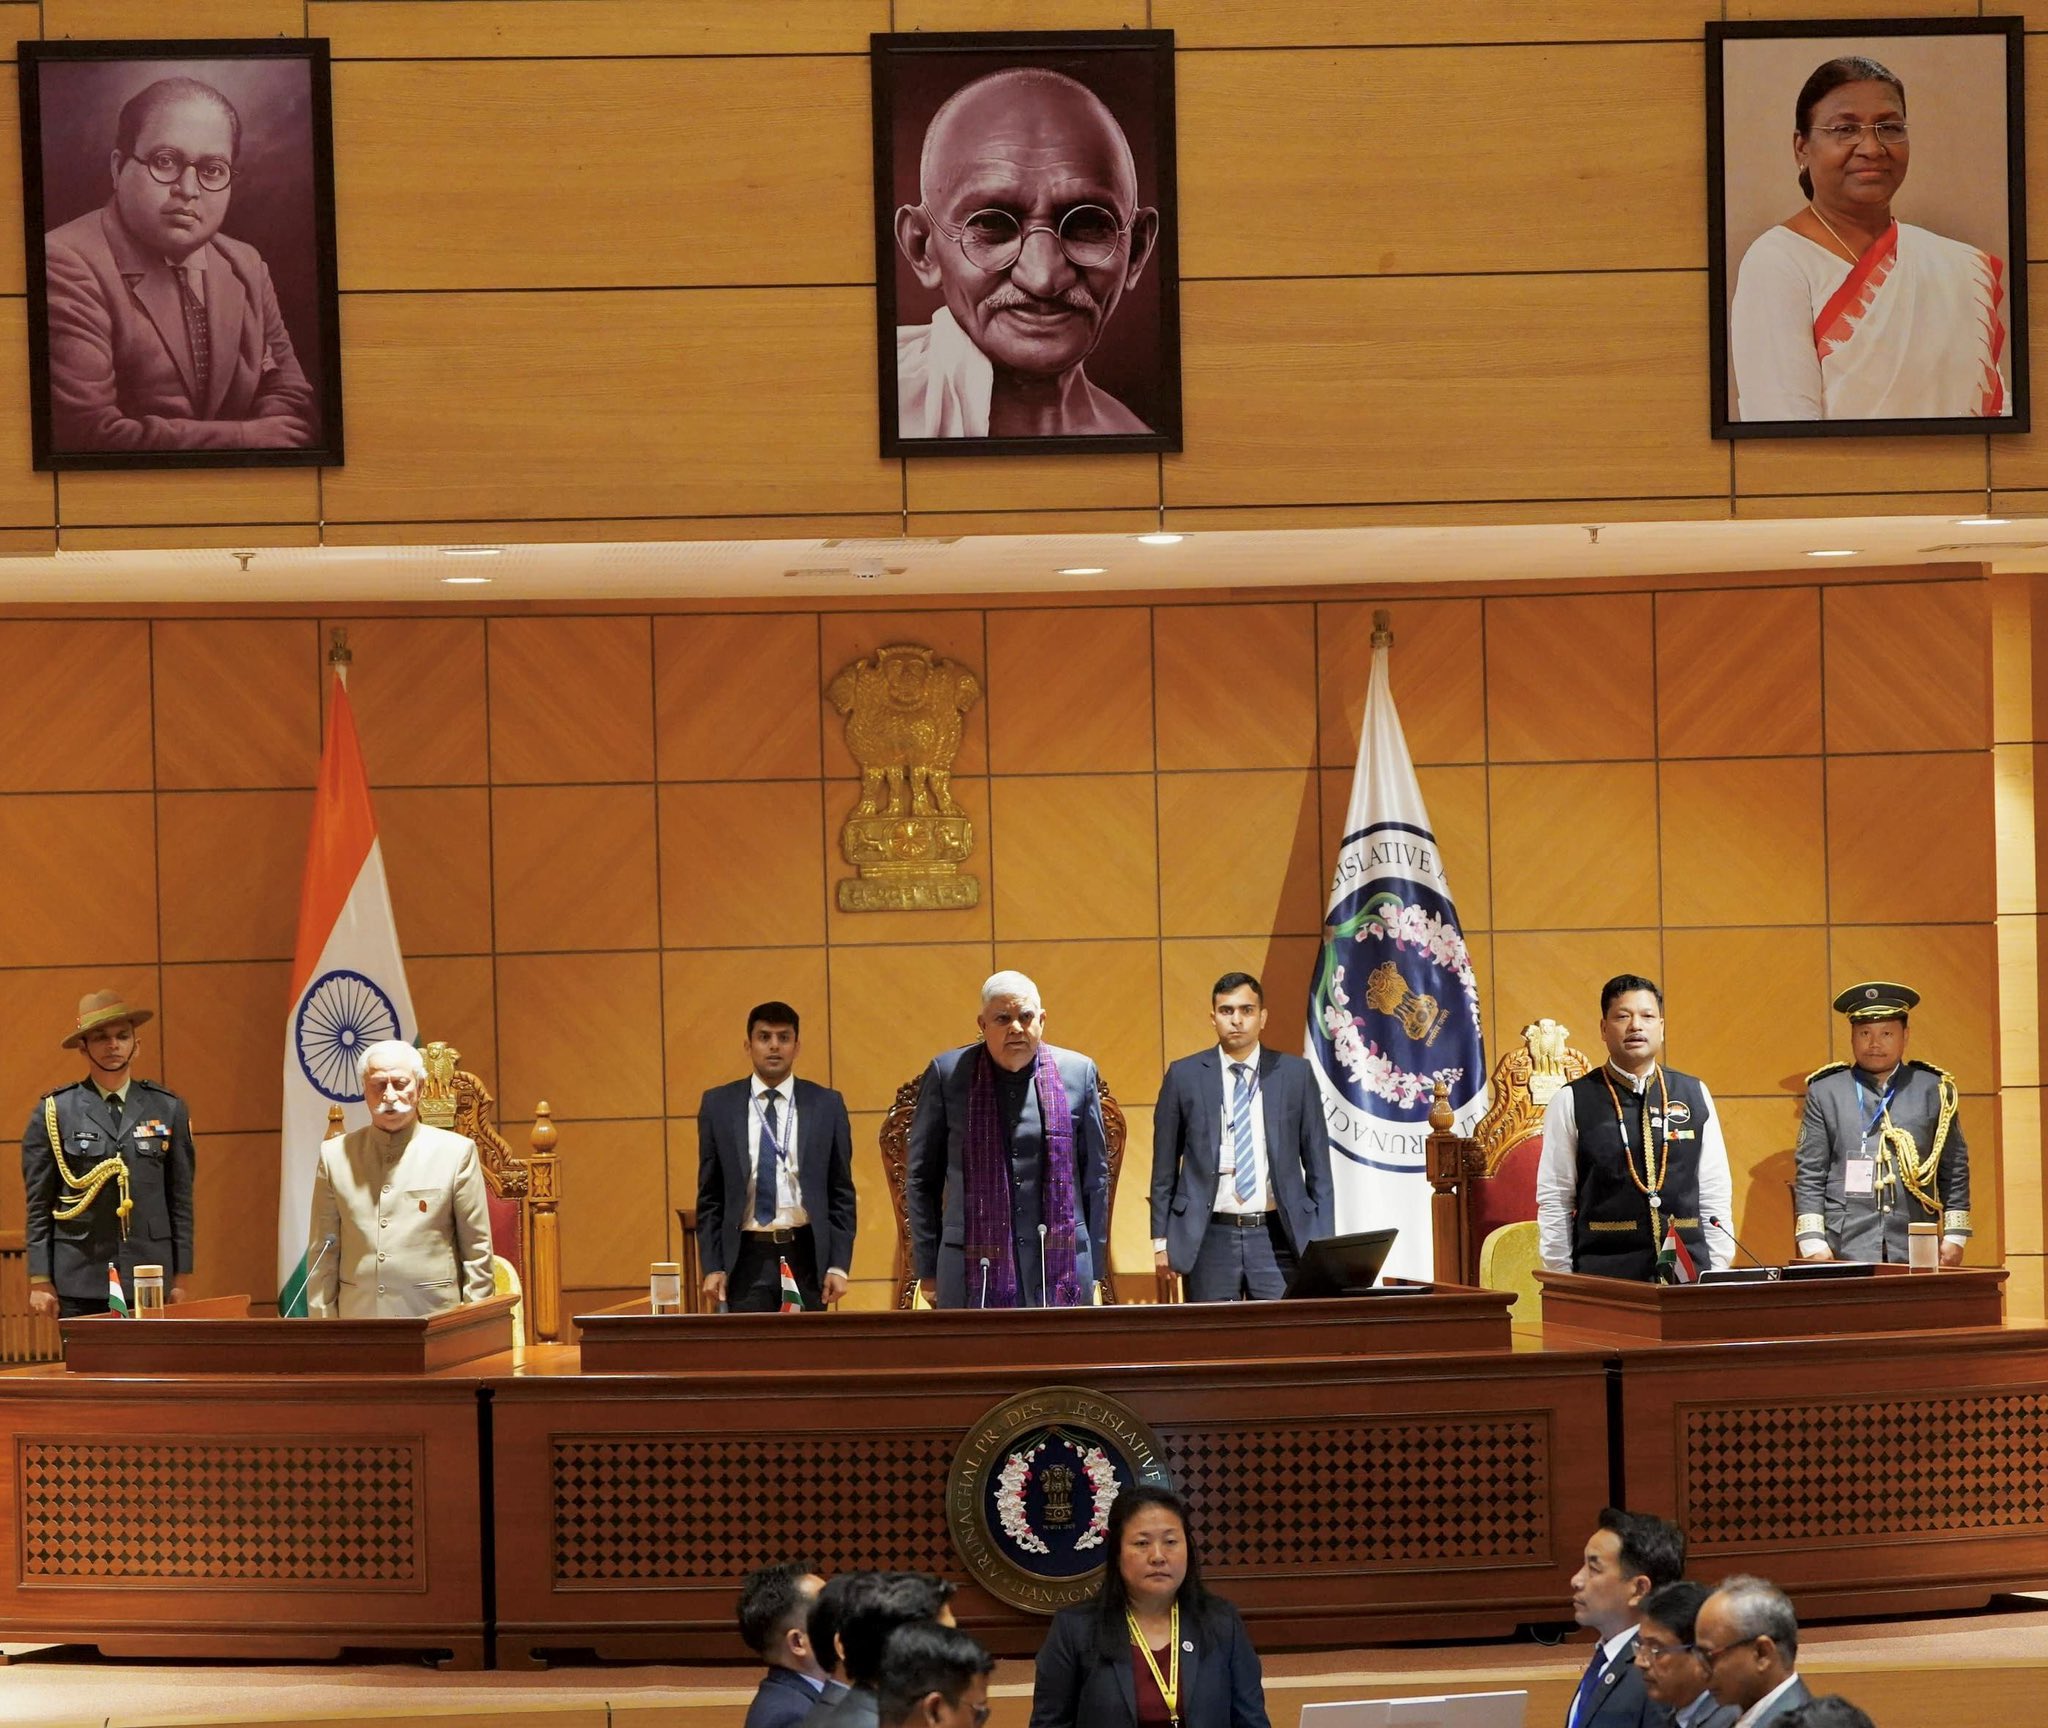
[
  {"x": 1877, "y": 1299},
  {"x": 1336, "y": 1501},
  {"x": 1864, "y": 1475},
  {"x": 231, "y": 1518}
]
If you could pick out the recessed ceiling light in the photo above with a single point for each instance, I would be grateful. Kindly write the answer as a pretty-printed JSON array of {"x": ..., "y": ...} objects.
[
  {"x": 1834, "y": 552},
  {"x": 1083, "y": 570},
  {"x": 1161, "y": 538},
  {"x": 464, "y": 581},
  {"x": 472, "y": 551},
  {"x": 1982, "y": 521}
]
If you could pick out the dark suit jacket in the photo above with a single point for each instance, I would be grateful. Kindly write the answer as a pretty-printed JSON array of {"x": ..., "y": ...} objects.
[
  {"x": 783, "y": 1700},
  {"x": 1187, "y": 1133},
  {"x": 937, "y": 1163},
  {"x": 1785, "y": 1703},
  {"x": 855, "y": 1707},
  {"x": 1621, "y": 1701},
  {"x": 121, "y": 373},
  {"x": 1078, "y": 1687},
  {"x": 824, "y": 1172},
  {"x": 155, "y": 1142},
  {"x": 1713, "y": 1714}
]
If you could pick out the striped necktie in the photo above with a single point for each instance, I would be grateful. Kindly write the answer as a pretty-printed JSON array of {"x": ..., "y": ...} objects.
[
  {"x": 1241, "y": 1133},
  {"x": 770, "y": 1157}
]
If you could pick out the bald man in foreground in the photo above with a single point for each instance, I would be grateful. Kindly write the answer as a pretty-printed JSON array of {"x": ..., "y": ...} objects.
[{"x": 1029, "y": 223}]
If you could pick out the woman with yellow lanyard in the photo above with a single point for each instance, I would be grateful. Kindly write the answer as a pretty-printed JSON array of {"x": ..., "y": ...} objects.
[{"x": 1153, "y": 1649}]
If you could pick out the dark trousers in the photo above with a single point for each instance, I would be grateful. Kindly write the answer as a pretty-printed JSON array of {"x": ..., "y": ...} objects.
[
  {"x": 754, "y": 1286},
  {"x": 1236, "y": 1262},
  {"x": 74, "y": 1307}
]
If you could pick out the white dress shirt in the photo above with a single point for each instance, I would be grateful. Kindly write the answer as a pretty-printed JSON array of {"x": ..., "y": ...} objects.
[
  {"x": 1557, "y": 1176},
  {"x": 1610, "y": 1650},
  {"x": 1766, "y": 1701},
  {"x": 789, "y": 1203}
]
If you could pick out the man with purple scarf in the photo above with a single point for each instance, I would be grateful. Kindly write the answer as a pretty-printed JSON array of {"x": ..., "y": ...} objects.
[{"x": 1008, "y": 1180}]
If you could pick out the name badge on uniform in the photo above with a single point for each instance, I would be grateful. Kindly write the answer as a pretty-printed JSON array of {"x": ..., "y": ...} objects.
[{"x": 1859, "y": 1175}]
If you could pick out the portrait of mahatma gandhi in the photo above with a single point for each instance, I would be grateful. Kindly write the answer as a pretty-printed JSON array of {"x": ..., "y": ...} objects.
[
  {"x": 1029, "y": 229},
  {"x": 164, "y": 331}
]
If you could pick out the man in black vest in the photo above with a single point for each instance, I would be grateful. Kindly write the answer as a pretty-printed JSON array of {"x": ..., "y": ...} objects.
[{"x": 1631, "y": 1153}]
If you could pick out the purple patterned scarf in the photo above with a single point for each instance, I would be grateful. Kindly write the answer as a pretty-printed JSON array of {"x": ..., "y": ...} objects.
[{"x": 988, "y": 1190}]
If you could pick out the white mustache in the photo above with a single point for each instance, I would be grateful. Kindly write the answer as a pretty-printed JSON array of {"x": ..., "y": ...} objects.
[{"x": 1007, "y": 297}]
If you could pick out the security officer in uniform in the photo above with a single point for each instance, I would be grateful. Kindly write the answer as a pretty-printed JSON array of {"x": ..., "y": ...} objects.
[
  {"x": 107, "y": 1163},
  {"x": 1880, "y": 1145}
]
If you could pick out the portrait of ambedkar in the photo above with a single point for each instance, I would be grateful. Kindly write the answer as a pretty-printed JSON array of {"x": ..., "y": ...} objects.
[{"x": 1027, "y": 238}]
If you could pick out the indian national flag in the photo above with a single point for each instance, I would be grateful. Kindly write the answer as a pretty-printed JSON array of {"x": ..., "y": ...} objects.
[
  {"x": 117, "y": 1302},
  {"x": 792, "y": 1297},
  {"x": 1674, "y": 1261},
  {"x": 348, "y": 983}
]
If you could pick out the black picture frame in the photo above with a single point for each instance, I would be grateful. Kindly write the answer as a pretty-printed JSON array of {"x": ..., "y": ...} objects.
[
  {"x": 1133, "y": 359},
  {"x": 1748, "y": 66},
  {"x": 112, "y": 386}
]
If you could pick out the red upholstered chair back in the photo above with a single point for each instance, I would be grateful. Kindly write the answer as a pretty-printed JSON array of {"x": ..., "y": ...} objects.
[
  {"x": 1498, "y": 1163},
  {"x": 505, "y": 1233}
]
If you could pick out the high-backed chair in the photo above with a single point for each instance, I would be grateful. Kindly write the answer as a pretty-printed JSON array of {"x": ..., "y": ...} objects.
[
  {"x": 1483, "y": 1213},
  {"x": 523, "y": 1192},
  {"x": 895, "y": 1138}
]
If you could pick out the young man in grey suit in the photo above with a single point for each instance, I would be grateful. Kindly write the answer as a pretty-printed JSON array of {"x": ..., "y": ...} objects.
[
  {"x": 1240, "y": 1158},
  {"x": 774, "y": 1178}
]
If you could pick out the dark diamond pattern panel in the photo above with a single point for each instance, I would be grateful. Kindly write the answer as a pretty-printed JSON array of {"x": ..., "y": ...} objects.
[
  {"x": 630, "y": 1509},
  {"x": 1386, "y": 1492},
  {"x": 257, "y": 1511},
  {"x": 1769, "y": 1472}
]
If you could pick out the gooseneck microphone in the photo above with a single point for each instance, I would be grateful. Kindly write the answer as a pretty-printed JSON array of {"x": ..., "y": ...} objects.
[
  {"x": 984, "y": 1281},
  {"x": 1044, "y": 1294},
  {"x": 312, "y": 1266},
  {"x": 1774, "y": 1273}
]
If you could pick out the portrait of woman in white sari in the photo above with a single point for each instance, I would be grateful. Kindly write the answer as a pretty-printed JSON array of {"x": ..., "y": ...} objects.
[{"x": 1843, "y": 312}]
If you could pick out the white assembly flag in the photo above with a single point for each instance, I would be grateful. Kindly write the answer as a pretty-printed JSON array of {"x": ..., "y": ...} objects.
[
  {"x": 1395, "y": 1006},
  {"x": 348, "y": 984}
]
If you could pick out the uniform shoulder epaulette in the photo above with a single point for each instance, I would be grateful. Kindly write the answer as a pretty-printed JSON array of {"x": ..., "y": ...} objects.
[
  {"x": 1934, "y": 1068},
  {"x": 1823, "y": 1073}
]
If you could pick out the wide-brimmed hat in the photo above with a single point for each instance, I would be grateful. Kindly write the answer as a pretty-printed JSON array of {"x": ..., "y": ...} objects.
[{"x": 98, "y": 1009}]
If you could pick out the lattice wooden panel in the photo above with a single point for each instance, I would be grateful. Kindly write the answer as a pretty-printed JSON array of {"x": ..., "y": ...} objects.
[
  {"x": 645, "y": 1509},
  {"x": 1776, "y": 1472},
  {"x": 1367, "y": 1492},
  {"x": 268, "y": 1512}
]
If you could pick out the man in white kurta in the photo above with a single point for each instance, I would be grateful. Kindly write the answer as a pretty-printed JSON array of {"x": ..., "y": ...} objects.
[{"x": 400, "y": 1221}]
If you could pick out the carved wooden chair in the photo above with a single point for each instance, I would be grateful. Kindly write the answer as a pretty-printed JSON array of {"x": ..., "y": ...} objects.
[
  {"x": 895, "y": 1138},
  {"x": 522, "y": 1191},
  {"x": 1483, "y": 1212}
]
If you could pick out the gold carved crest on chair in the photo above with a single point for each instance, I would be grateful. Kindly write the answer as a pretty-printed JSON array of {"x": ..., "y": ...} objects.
[
  {"x": 523, "y": 1191},
  {"x": 895, "y": 1139},
  {"x": 1523, "y": 1083}
]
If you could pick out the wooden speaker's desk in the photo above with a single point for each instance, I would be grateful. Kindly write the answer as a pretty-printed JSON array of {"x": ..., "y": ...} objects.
[
  {"x": 1373, "y": 1469},
  {"x": 214, "y": 1485},
  {"x": 1873, "y": 1445}
]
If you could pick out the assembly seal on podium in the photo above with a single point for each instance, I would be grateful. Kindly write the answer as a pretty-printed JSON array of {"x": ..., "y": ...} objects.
[{"x": 1028, "y": 1497}]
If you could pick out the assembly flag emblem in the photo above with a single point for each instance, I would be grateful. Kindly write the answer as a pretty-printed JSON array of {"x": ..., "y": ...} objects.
[
  {"x": 1395, "y": 1004},
  {"x": 348, "y": 983}
]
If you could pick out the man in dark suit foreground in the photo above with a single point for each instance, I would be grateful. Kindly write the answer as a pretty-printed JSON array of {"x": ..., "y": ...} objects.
[
  {"x": 774, "y": 1612},
  {"x": 1749, "y": 1639},
  {"x": 774, "y": 1178},
  {"x": 1630, "y": 1555},
  {"x": 872, "y": 1606},
  {"x": 1240, "y": 1158},
  {"x": 933, "y": 1676}
]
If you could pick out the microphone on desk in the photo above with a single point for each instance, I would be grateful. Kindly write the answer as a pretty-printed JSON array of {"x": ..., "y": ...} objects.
[
  {"x": 984, "y": 1281},
  {"x": 1773, "y": 1272},
  {"x": 1044, "y": 1295}
]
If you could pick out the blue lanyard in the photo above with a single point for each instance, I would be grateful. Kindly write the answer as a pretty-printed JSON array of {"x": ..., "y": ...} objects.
[
  {"x": 1883, "y": 1104},
  {"x": 776, "y": 1144}
]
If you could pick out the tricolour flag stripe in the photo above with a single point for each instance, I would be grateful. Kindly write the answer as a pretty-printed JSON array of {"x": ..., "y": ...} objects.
[{"x": 348, "y": 982}]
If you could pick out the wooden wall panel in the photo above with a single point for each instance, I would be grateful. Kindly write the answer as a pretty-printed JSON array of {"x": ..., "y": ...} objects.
[
  {"x": 894, "y": 1010},
  {"x": 574, "y": 404},
  {"x": 52, "y": 846},
  {"x": 1571, "y": 680},
  {"x": 463, "y": 29},
  {"x": 1241, "y": 853},
  {"x": 1223, "y": 23},
  {"x": 443, "y": 181},
  {"x": 437, "y": 847},
  {"x": 705, "y": 998},
  {"x": 1236, "y": 685},
  {"x": 1908, "y": 666},
  {"x": 1780, "y": 979},
  {"x": 1070, "y": 693},
  {"x": 1411, "y": 136},
  {"x": 608, "y": 1068},
  {"x": 1945, "y": 876},
  {"x": 416, "y": 689},
  {"x": 571, "y": 699},
  {"x": 1575, "y": 845},
  {"x": 1743, "y": 841},
  {"x": 223, "y": 1043},
  {"x": 54, "y": 737},
  {"x": 454, "y": 997},
  {"x": 1297, "y": 400},
  {"x": 574, "y": 867},
  {"x": 229, "y": 864},
  {"x": 237, "y": 703},
  {"x": 1738, "y": 674},
  {"x": 736, "y": 698},
  {"x": 1102, "y": 881},
  {"x": 1101, "y": 998},
  {"x": 1439, "y": 683},
  {"x": 744, "y": 866},
  {"x": 38, "y": 1009}
]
